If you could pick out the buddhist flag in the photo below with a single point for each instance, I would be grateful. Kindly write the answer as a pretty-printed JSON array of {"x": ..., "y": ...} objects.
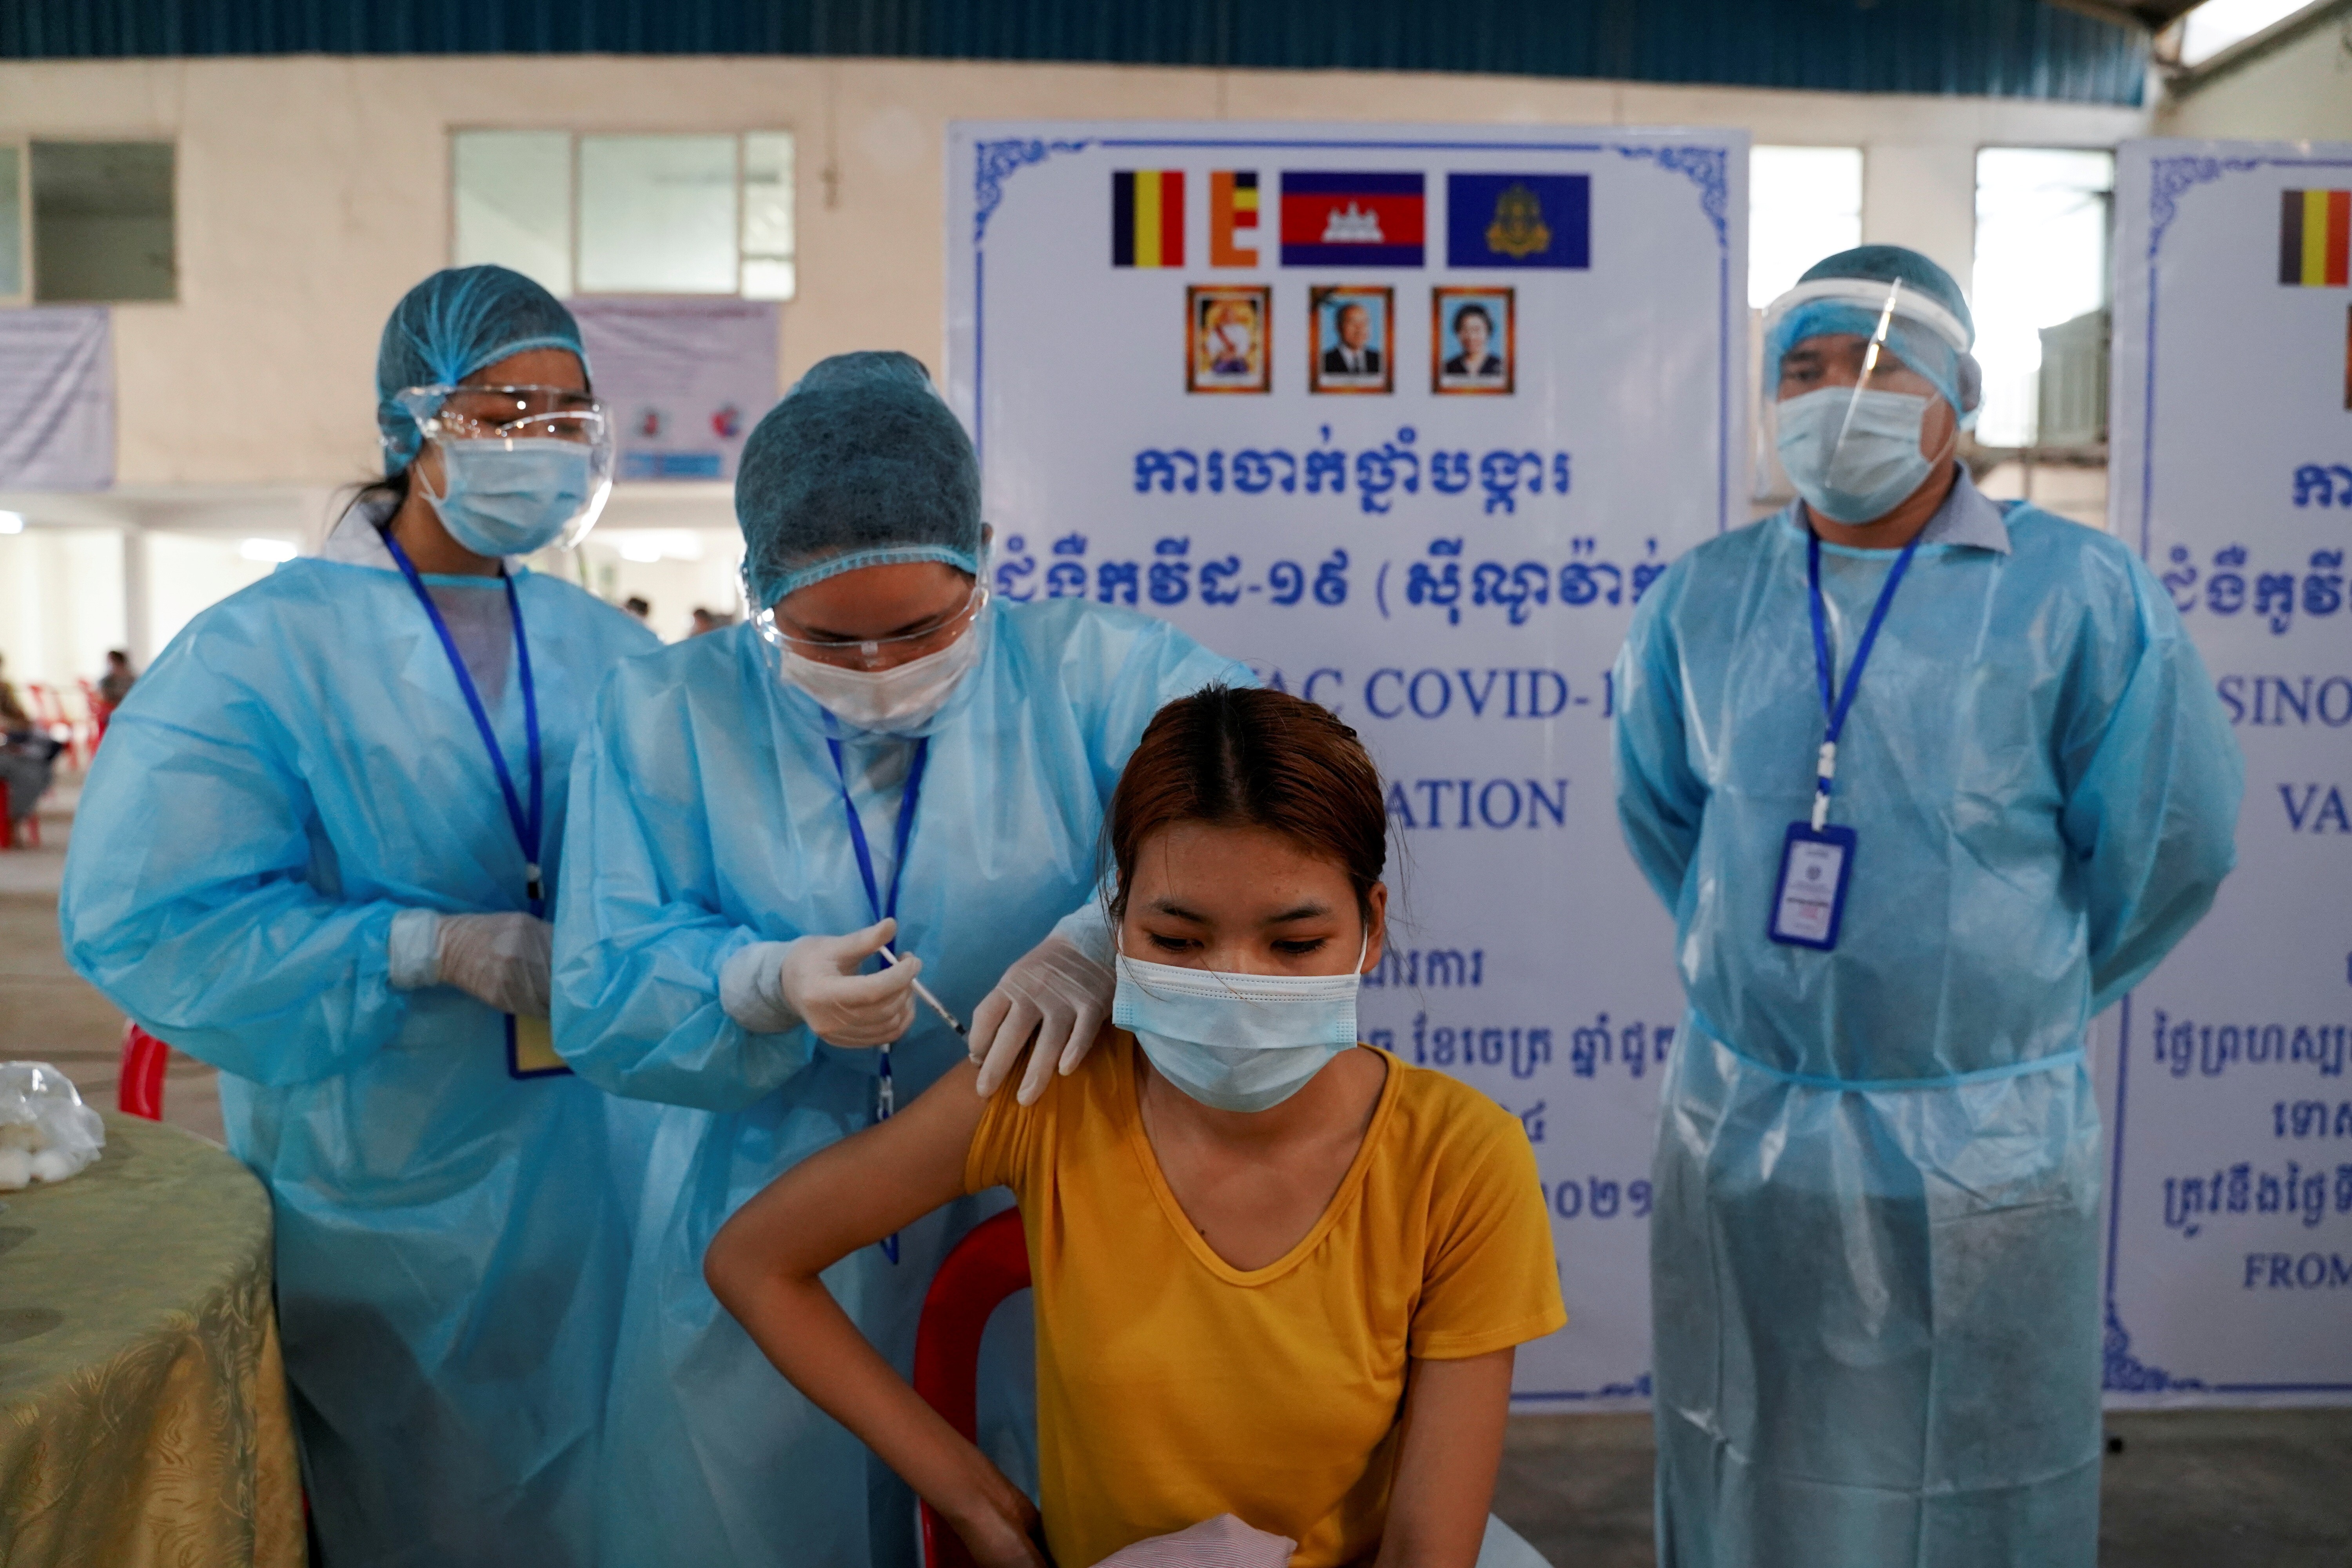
[
  {"x": 2314, "y": 238},
  {"x": 1147, "y": 217},
  {"x": 1233, "y": 216}
]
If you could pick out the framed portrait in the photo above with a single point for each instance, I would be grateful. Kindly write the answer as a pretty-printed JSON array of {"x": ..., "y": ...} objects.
[
  {"x": 1228, "y": 337},
  {"x": 1473, "y": 341},
  {"x": 1351, "y": 346}
]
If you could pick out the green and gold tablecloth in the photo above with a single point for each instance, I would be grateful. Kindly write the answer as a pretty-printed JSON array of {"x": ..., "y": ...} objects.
[{"x": 143, "y": 1421}]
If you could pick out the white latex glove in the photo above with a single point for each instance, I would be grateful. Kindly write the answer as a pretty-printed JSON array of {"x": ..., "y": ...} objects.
[
  {"x": 1055, "y": 993},
  {"x": 822, "y": 984},
  {"x": 502, "y": 960}
]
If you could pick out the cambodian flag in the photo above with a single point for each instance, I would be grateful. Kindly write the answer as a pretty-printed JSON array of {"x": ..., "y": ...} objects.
[{"x": 1335, "y": 219}]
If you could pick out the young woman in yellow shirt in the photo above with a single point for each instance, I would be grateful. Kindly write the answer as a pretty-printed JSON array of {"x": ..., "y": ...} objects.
[{"x": 1277, "y": 1274}]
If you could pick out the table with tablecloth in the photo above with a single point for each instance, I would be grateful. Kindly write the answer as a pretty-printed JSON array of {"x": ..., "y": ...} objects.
[{"x": 143, "y": 1415}]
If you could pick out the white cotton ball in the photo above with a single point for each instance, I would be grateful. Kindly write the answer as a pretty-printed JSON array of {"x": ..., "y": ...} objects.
[
  {"x": 52, "y": 1165},
  {"x": 15, "y": 1168}
]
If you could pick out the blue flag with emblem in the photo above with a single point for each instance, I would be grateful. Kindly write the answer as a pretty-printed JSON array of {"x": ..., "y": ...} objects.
[{"x": 1518, "y": 220}]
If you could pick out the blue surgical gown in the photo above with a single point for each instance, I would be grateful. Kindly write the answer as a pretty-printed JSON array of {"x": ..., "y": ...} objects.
[
  {"x": 708, "y": 815},
  {"x": 297, "y": 768},
  {"x": 1874, "y": 1256}
]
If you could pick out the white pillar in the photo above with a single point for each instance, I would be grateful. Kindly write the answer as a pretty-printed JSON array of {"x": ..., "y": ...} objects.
[
  {"x": 1923, "y": 195},
  {"x": 138, "y": 616}
]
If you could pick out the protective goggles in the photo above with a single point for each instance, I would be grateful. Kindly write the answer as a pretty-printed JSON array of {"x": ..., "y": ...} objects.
[
  {"x": 522, "y": 417},
  {"x": 874, "y": 653}
]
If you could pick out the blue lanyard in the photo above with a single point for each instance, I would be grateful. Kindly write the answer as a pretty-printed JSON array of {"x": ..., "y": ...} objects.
[
  {"x": 885, "y": 1092},
  {"x": 905, "y": 831},
  {"x": 1836, "y": 707},
  {"x": 526, "y": 825}
]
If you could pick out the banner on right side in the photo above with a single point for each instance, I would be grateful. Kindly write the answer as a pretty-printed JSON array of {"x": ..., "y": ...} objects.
[{"x": 2229, "y": 1274}]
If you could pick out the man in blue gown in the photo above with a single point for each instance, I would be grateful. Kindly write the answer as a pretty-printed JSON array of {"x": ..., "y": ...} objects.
[
  {"x": 1875, "y": 1254},
  {"x": 885, "y": 756}
]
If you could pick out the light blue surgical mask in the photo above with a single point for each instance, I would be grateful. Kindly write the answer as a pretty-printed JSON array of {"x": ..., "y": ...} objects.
[
  {"x": 1868, "y": 473},
  {"x": 1236, "y": 1042},
  {"x": 511, "y": 497}
]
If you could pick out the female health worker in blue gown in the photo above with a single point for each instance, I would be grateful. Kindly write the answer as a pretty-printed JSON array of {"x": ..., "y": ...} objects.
[
  {"x": 306, "y": 855},
  {"x": 887, "y": 756},
  {"x": 1874, "y": 1248}
]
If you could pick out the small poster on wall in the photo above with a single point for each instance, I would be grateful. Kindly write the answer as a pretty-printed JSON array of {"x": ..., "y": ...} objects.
[{"x": 684, "y": 380}]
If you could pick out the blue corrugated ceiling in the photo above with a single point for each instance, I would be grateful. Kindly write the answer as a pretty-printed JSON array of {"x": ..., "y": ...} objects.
[{"x": 2008, "y": 48}]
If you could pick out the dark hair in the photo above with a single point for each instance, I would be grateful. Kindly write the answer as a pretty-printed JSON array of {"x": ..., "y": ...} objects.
[
  {"x": 390, "y": 491},
  {"x": 1477, "y": 311},
  {"x": 1242, "y": 757}
]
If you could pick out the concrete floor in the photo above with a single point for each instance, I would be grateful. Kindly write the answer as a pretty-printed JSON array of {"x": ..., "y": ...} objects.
[{"x": 2185, "y": 1490}]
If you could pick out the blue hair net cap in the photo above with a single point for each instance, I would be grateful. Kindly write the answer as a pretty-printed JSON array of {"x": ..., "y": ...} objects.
[
  {"x": 449, "y": 326},
  {"x": 862, "y": 464},
  {"x": 1931, "y": 333}
]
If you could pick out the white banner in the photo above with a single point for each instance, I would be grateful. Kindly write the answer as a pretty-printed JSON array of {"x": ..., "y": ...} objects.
[
  {"x": 2230, "y": 1256},
  {"x": 684, "y": 379},
  {"x": 56, "y": 398},
  {"x": 1407, "y": 418}
]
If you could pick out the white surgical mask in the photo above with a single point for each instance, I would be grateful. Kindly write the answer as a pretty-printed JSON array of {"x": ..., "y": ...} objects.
[
  {"x": 1865, "y": 476},
  {"x": 1236, "y": 1042},
  {"x": 894, "y": 701}
]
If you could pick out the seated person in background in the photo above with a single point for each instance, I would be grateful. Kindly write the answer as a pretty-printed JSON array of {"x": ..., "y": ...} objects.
[
  {"x": 119, "y": 677},
  {"x": 1277, "y": 1274},
  {"x": 27, "y": 757}
]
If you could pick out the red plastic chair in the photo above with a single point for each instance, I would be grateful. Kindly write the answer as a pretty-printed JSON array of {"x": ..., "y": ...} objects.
[
  {"x": 141, "y": 1091},
  {"x": 101, "y": 711},
  {"x": 983, "y": 1268},
  {"x": 32, "y": 839}
]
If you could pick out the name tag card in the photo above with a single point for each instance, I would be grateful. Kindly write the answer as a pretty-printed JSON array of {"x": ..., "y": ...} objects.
[
  {"x": 1815, "y": 863},
  {"x": 531, "y": 1049}
]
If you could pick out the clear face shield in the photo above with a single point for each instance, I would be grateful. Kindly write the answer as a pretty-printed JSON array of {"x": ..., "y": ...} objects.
[
  {"x": 523, "y": 467},
  {"x": 1852, "y": 414}
]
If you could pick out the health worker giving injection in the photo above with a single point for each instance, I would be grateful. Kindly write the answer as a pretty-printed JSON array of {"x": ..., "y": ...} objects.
[
  {"x": 887, "y": 783},
  {"x": 1927, "y": 781}
]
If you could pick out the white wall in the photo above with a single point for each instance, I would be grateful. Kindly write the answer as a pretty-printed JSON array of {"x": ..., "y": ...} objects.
[
  {"x": 2300, "y": 92},
  {"x": 314, "y": 190},
  {"x": 187, "y": 572}
]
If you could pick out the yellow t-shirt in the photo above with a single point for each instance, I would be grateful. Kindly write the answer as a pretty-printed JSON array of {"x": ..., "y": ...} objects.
[{"x": 1173, "y": 1387}]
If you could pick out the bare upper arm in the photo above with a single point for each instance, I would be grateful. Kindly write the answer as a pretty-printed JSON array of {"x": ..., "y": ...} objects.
[
  {"x": 1452, "y": 1445},
  {"x": 857, "y": 1191}
]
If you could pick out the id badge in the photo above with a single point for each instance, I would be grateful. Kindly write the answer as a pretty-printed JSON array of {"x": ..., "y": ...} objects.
[
  {"x": 1809, "y": 902},
  {"x": 531, "y": 1049}
]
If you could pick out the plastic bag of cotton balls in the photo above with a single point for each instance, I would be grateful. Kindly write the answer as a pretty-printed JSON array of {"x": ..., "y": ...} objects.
[{"x": 47, "y": 1133}]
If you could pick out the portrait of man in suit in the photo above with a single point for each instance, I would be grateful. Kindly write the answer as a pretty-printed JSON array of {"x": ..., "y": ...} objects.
[
  {"x": 1353, "y": 354},
  {"x": 1351, "y": 339}
]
